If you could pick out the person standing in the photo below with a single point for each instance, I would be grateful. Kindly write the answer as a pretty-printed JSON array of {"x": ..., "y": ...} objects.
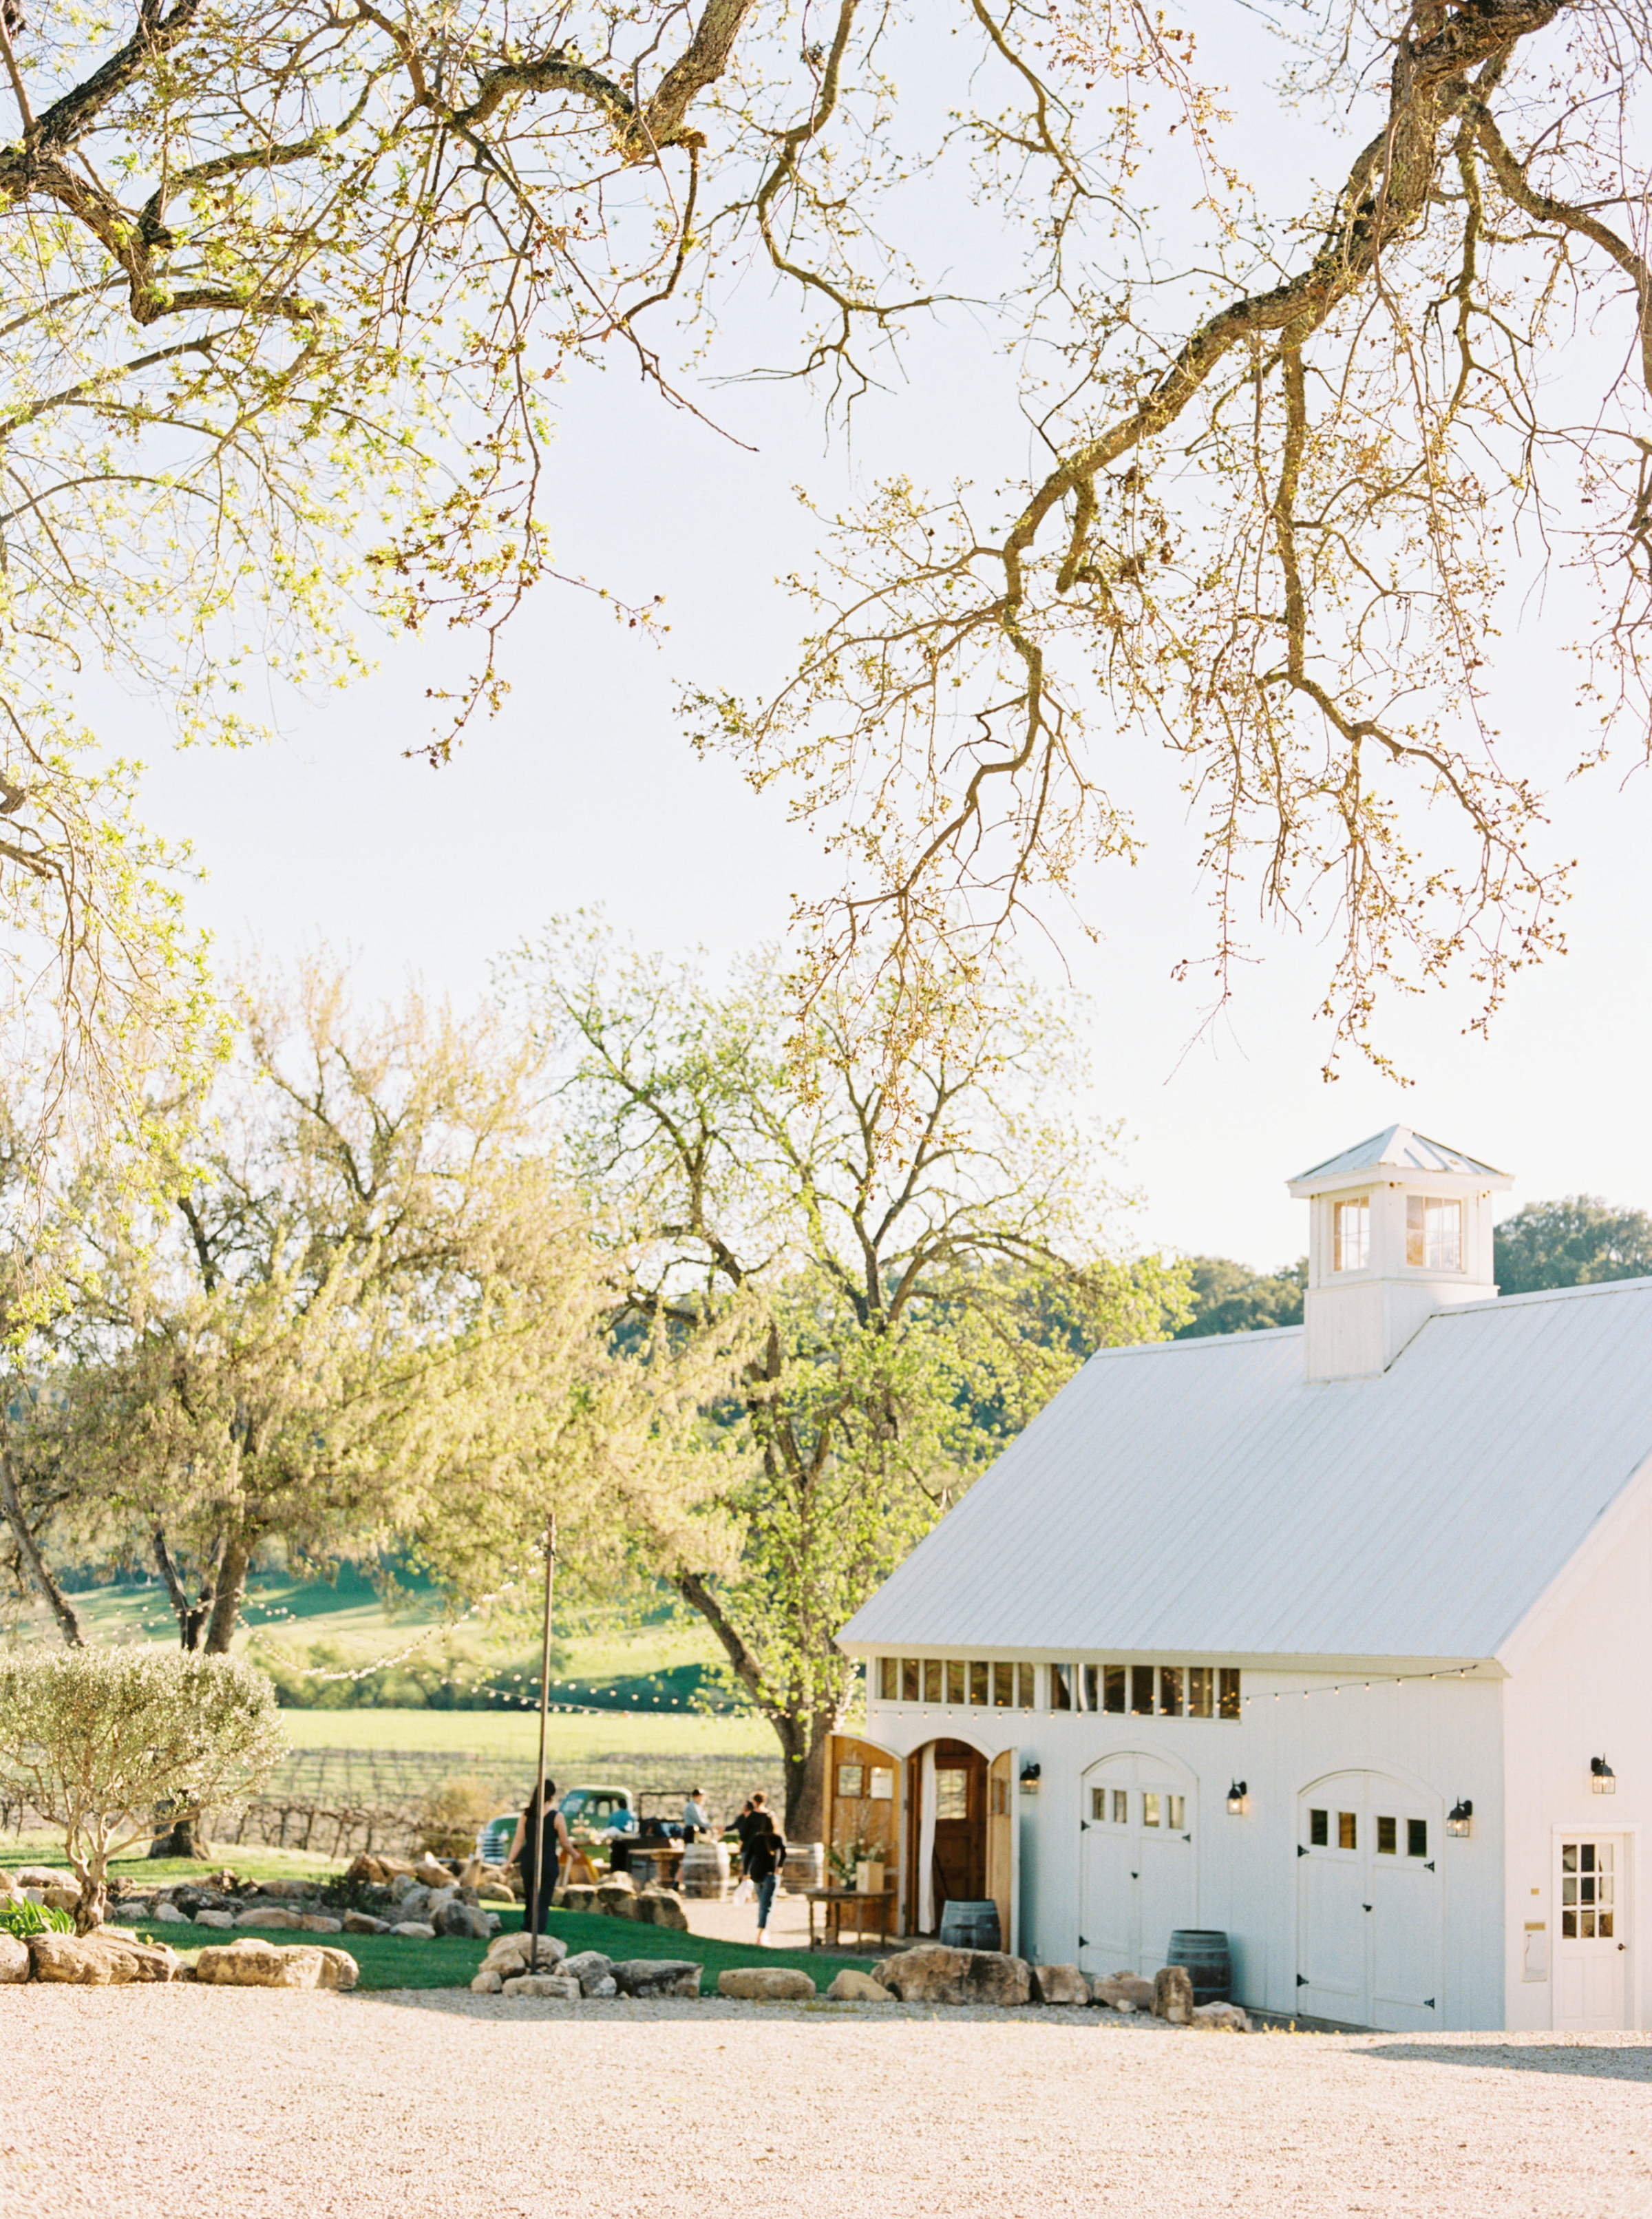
[
  {"x": 697, "y": 1819},
  {"x": 765, "y": 1855},
  {"x": 539, "y": 1845}
]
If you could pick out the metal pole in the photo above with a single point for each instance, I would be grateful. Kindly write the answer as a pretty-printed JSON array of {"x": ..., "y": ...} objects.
[{"x": 544, "y": 1713}]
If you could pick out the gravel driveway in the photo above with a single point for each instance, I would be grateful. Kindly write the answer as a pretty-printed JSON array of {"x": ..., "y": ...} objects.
[{"x": 123, "y": 2104}]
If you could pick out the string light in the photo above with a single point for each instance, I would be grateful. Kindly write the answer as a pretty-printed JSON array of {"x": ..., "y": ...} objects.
[{"x": 1400, "y": 1680}]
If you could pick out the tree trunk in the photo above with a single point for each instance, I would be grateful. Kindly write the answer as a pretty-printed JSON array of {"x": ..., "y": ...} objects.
[
  {"x": 62, "y": 1608},
  {"x": 232, "y": 1589},
  {"x": 93, "y": 1906},
  {"x": 805, "y": 1788},
  {"x": 181, "y": 1836}
]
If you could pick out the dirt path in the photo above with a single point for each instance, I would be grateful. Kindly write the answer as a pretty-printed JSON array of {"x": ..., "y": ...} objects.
[{"x": 445, "y": 2106}]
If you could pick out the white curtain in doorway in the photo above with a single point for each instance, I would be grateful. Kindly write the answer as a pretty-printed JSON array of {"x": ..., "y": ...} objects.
[{"x": 927, "y": 1843}]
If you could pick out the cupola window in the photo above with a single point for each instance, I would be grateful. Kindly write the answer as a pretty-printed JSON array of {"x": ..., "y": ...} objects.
[
  {"x": 1433, "y": 1233},
  {"x": 1351, "y": 1230}
]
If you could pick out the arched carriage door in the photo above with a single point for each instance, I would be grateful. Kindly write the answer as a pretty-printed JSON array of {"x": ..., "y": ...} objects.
[
  {"x": 1140, "y": 1860},
  {"x": 1369, "y": 1921}
]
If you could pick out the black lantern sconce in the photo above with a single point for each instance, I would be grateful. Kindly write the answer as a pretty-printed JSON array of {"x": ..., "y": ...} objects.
[
  {"x": 1460, "y": 1819},
  {"x": 1605, "y": 1780},
  {"x": 1030, "y": 1776},
  {"x": 1239, "y": 1799}
]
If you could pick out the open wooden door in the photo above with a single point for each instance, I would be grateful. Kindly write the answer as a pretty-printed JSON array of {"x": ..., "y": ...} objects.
[
  {"x": 862, "y": 1802},
  {"x": 1002, "y": 1845}
]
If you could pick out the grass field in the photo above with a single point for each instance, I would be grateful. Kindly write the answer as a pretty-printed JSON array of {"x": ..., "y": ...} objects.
[
  {"x": 642, "y": 1655},
  {"x": 572, "y": 1739}
]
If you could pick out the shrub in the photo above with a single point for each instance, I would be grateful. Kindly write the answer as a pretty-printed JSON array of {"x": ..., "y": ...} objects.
[
  {"x": 454, "y": 1813},
  {"x": 96, "y": 1737}
]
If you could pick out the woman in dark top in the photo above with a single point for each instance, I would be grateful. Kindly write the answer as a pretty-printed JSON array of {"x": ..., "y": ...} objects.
[
  {"x": 537, "y": 1845},
  {"x": 765, "y": 1855}
]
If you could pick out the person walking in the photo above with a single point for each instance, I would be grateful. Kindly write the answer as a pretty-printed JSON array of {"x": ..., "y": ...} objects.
[
  {"x": 765, "y": 1855},
  {"x": 539, "y": 1845}
]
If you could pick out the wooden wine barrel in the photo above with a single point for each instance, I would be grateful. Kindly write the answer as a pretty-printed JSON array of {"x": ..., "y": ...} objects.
[
  {"x": 704, "y": 1871},
  {"x": 804, "y": 1866},
  {"x": 1204, "y": 1951},
  {"x": 966, "y": 1925}
]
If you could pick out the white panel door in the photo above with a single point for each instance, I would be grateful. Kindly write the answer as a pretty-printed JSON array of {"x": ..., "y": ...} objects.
[
  {"x": 1591, "y": 1947},
  {"x": 1139, "y": 1879},
  {"x": 1370, "y": 1913}
]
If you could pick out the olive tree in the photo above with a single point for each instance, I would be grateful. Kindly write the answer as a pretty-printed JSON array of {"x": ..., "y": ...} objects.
[{"x": 97, "y": 1738}]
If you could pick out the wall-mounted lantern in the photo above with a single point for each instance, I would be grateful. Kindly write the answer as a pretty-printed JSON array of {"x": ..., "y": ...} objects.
[
  {"x": 1605, "y": 1780},
  {"x": 1460, "y": 1818},
  {"x": 1239, "y": 1799},
  {"x": 1030, "y": 1776}
]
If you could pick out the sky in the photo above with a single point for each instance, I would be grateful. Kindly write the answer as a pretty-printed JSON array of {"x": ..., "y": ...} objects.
[{"x": 584, "y": 794}]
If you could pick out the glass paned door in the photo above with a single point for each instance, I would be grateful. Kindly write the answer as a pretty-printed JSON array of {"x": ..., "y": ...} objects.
[{"x": 1590, "y": 1946}]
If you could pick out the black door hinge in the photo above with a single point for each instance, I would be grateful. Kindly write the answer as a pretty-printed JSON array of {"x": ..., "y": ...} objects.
[
  {"x": 1429, "y": 1867},
  {"x": 1428, "y": 2002},
  {"x": 1365, "y": 1907},
  {"x": 1083, "y": 1825},
  {"x": 1301, "y": 1979},
  {"x": 1300, "y": 1851}
]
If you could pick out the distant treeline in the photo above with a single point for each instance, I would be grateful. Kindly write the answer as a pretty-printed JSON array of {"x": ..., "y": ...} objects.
[{"x": 1578, "y": 1240}]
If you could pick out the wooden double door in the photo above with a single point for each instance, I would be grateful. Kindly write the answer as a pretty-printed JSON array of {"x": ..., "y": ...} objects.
[{"x": 878, "y": 1801}]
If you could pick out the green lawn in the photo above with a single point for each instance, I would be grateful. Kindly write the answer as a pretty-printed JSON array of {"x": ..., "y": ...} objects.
[
  {"x": 392, "y": 1961},
  {"x": 251, "y": 1862}
]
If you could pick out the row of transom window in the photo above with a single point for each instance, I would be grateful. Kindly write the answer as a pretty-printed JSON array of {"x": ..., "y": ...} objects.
[
  {"x": 1166, "y": 1691},
  {"x": 1387, "y": 1833},
  {"x": 1110, "y": 1806}
]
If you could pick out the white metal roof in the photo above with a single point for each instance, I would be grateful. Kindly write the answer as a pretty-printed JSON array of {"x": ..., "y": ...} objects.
[
  {"x": 1200, "y": 1495},
  {"x": 1398, "y": 1148}
]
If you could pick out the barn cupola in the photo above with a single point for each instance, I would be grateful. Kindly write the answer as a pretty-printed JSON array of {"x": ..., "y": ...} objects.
[{"x": 1398, "y": 1227}]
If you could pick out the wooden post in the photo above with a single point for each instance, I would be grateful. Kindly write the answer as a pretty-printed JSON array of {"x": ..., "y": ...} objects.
[{"x": 544, "y": 1712}]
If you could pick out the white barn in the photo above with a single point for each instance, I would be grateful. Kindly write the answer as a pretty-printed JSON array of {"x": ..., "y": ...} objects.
[{"x": 1335, "y": 1638}]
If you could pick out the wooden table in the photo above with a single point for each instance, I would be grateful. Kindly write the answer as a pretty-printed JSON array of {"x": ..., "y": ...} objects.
[
  {"x": 662, "y": 1861},
  {"x": 845, "y": 1906}
]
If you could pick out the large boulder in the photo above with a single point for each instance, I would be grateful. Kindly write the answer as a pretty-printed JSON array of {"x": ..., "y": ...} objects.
[
  {"x": 1173, "y": 1995},
  {"x": 413, "y": 1903},
  {"x": 663, "y": 1907},
  {"x": 593, "y": 1972},
  {"x": 487, "y": 1982},
  {"x": 316, "y": 1921},
  {"x": 510, "y": 1952},
  {"x": 14, "y": 1959},
  {"x": 1123, "y": 1992},
  {"x": 414, "y": 1929},
  {"x": 251, "y": 1963},
  {"x": 933, "y": 1974},
  {"x": 853, "y": 1987},
  {"x": 274, "y": 1920},
  {"x": 1219, "y": 2019},
  {"x": 222, "y": 1920},
  {"x": 463, "y": 1919},
  {"x": 99, "y": 1960},
  {"x": 619, "y": 1880},
  {"x": 169, "y": 1914},
  {"x": 495, "y": 1890},
  {"x": 338, "y": 1969},
  {"x": 1059, "y": 1984},
  {"x": 432, "y": 1872},
  {"x": 766, "y": 1984},
  {"x": 361, "y": 1922},
  {"x": 580, "y": 1897},
  {"x": 555, "y": 1986},
  {"x": 61, "y": 1899},
  {"x": 657, "y": 1976}
]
